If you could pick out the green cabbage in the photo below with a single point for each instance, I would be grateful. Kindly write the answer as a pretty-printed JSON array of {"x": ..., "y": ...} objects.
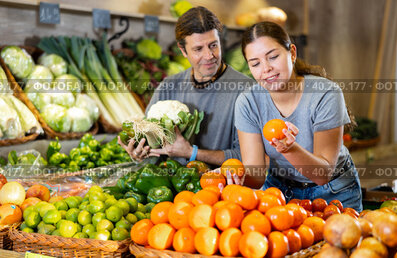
[
  {"x": 81, "y": 120},
  {"x": 41, "y": 74},
  {"x": 174, "y": 68},
  {"x": 41, "y": 100},
  {"x": 62, "y": 96},
  {"x": 28, "y": 120},
  {"x": 4, "y": 85},
  {"x": 56, "y": 117},
  {"x": 179, "y": 7},
  {"x": 55, "y": 63},
  {"x": 69, "y": 82},
  {"x": 9, "y": 121},
  {"x": 148, "y": 48},
  {"x": 18, "y": 61},
  {"x": 87, "y": 103}
]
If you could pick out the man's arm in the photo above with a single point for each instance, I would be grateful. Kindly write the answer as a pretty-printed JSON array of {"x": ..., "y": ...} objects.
[{"x": 215, "y": 157}]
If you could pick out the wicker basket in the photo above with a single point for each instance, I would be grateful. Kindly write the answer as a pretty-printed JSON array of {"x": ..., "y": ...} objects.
[
  {"x": 58, "y": 246},
  {"x": 5, "y": 241},
  {"x": 20, "y": 94},
  {"x": 140, "y": 251}
]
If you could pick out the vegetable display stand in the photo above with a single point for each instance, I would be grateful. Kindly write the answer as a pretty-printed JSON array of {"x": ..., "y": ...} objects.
[
  {"x": 20, "y": 94},
  {"x": 58, "y": 246},
  {"x": 140, "y": 252}
]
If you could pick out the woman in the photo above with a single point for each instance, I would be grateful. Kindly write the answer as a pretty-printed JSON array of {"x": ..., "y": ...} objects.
[{"x": 312, "y": 161}]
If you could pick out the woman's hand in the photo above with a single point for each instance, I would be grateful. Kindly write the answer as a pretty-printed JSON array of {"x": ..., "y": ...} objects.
[
  {"x": 282, "y": 146},
  {"x": 137, "y": 154}
]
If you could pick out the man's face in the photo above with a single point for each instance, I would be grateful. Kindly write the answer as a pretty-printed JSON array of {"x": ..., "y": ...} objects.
[{"x": 203, "y": 50}]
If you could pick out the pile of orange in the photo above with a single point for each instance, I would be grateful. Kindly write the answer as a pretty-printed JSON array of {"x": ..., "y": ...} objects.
[{"x": 238, "y": 221}]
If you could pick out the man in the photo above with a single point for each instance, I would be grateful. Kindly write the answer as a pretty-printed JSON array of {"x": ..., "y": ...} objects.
[{"x": 209, "y": 85}]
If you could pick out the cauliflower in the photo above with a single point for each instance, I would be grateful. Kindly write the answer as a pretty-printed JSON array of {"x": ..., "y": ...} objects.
[{"x": 170, "y": 108}]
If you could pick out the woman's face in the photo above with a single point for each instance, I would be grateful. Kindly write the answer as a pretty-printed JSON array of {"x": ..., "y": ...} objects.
[{"x": 270, "y": 63}]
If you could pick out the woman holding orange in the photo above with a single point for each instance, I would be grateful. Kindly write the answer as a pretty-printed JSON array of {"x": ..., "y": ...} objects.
[{"x": 311, "y": 162}]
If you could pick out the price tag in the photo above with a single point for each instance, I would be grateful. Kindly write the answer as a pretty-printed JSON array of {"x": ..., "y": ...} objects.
[
  {"x": 101, "y": 18},
  {"x": 33, "y": 255},
  {"x": 151, "y": 24},
  {"x": 49, "y": 13}
]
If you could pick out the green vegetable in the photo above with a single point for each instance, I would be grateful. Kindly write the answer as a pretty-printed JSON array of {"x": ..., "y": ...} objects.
[
  {"x": 365, "y": 129},
  {"x": 40, "y": 74},
  {"x": 81, "y": 120},
  {"x": 74, "y": 153},
  {"x": 53, "y": 148},
  {"x": 69, "y": 83},
  {"x": 10, "y": 124},
  {"x": 73, "y": 167},
  {"x": 141, "y": 198},
  {"x": 174, "y": 68},
  {"x": 56, "y": 117},
  {"x": 87, "y": 103},
  {"x": 147, "y": 48},
  {"x": 18, "y": 61},
  {"x": 171, "y": 166},
  {"x": 179, "y": 7},
  {"x": 151, "y": 176},
  {"x": 124, "y": 137},
  {"x": 106, "y": 154},
  {"x": 55, "y": 63},
  {"x": 160, "y": 194},
  {"x": 113, "y": 190},
  {"x": 3, "y": 161},
  {"x": 58, "y": 158},
  {"x": 186, "y": 179}
]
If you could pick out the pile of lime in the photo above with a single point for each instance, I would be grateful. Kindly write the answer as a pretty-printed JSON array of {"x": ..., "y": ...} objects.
[{"x": 98, "y": 215}]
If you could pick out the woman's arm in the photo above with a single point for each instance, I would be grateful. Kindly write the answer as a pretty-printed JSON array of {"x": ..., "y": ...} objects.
[
  {"x": 319, "y": 165},
  {"x": 253, "y": 158}
]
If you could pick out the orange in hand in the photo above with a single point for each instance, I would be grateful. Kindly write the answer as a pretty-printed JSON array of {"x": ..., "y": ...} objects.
[
  {"x": 228, "y": 242},
  {"x": 212, "y": 178},
  {"x": 234, "y": 166},
  {"x": 274, "y": 129},
  {"x": 206, "y": 241},
  {"x": 140, "y": 230},
  {"x": 159, "y": 213},
  {"x": 184, "y": 241},
  {"x": 161, "y": 236},
  {"x": 178, "y": 214},
  {"x": 229, "y": 215},
  {"x": 253, "y": 244}
]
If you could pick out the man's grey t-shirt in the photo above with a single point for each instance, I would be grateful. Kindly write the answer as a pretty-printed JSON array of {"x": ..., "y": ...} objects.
[
  {"x": 217, "y": 131},
  {"x": 321, "y": 107}
]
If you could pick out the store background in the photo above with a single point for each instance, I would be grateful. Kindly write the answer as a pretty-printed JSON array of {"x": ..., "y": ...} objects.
[{"x": 352, "y": 39}]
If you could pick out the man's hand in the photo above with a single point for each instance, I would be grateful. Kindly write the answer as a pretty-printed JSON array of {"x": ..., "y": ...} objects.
[
  {"x": 139, "y": 153},
  {"x": 180, "y": 148}
]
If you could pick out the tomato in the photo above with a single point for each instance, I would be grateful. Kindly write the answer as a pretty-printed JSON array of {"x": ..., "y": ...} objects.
[
  {"x": 306, "y": 204},
  {"x": 319, "y": 204},
  {"x": 338, "y": 204}
]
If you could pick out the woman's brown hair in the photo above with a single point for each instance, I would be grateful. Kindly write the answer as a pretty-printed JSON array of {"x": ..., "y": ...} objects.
[
  {"x": 276, "y": 32},
  {"x": 196, "y": 20}
]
